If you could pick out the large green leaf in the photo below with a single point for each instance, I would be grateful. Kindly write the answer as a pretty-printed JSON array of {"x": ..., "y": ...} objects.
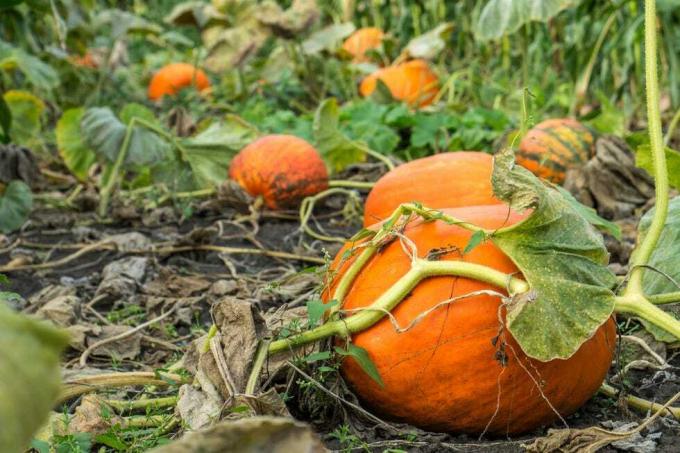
[
  {"x": 26, "y": 112},
  {"x": 643, "y": 159},
  {"x": 664, "y": 271},
  {"x": 209, "y": 153},
  {"x": 77, "y": 157},
  {"x": 327, "y": 38},
  {"x": 428, "y": 45},
  {"x": 104, "y": 134},
  {"x": 38, "y": 73},
  {"x": 338, "y": 150},
  {"x": 29, "y": 376},
  {"x": 506, "y": 16},
  {"x": 561, "y": 256},
  {"x": 15, "y": 206},
  {"x": 5, "y": 121},
  {"x": 124, "y": 22}
]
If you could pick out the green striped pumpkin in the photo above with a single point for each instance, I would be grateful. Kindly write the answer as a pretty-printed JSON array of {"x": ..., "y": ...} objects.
[{"x": 554, "y": 146}]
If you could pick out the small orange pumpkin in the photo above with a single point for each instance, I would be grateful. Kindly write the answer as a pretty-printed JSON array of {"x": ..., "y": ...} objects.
[
  {"x": 412, "y": 82},
  {"x": 89, "y": 60},
  {"x": 283, "y": 169},
  {"x": 444, "y": 374},
  {"x": 446, "y": 180},
  {"x": 362, "y": 40},
  {"x": 554, "y": 146},
  {"x": 175, "y": 76}
]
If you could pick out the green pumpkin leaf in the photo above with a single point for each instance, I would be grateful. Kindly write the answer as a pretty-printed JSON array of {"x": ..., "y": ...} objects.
[
  {"x": 104, "y": 134},
  {"x": 210, "y": 152},
  {"x": 327, "y": 38},
  {"x": 336, "y": 148},
  {"x": 316, "y": 310},
  {"x": 29, "y": 376},
  {"x": 40, "y": 74},
  {"x": 26, "y": 110},
  {"x": 5, "y": 121},
  {"x": 643, "y": 159},
  {"x": 590, "y": 214},
  {"x": 133, "y": 110},
  {"x": 562, "y": 258},
  {"x": 430, "y": 44},
  {"x": 664, "y": 263},
  {"x": 500, "y": 17},
  {"x": 15, "y": 206},
  {"x": 76, "y": 155},
  {"x": 363, "y": 359},
  {"x": 476, "y": 239}
]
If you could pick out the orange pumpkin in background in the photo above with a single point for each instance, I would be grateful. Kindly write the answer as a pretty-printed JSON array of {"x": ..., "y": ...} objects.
[
  {"x": 173, "y": 77},
  {"x": 362, "y": 40},
  {"x": 444, "y": 374},
  {"x": 283, "y": 169},
  {"x": 446, "y": 180},
  {"x": 554, "y": 146},
  {"x": 412, "y": 82},
  {"x": 88, "y": 60}
]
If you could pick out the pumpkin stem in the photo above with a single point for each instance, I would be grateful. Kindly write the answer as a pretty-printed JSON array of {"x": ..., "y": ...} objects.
[
  {"x": 638, "y": 305},
  {"x": 646, "y": 248}
]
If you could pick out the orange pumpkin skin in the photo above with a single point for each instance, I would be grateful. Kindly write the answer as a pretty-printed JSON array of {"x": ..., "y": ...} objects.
[
  {"x": 283, "y": 169},
  {"x": 412, "y": 82},
  {"x": 442, "y": 374},
  {"x": 554, "y": 146},
  {"x": 362, "y": 40},
  {"x": 446, "y": 180},
  {"x": 85, "y": 61},
  {"x": 175, "y": 76}
]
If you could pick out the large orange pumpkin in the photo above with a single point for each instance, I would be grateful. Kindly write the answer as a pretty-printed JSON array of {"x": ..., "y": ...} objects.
[
  {"x": 446, "y": 180},
  {"x": 412, "y": 82},
  {"x": 175, "y": 76},
  {"x": 362, "y": 40},
  {"x": 444, "y": 373},
  {"x": 283, "y": 169},
  {"x": 554, "y": 146}
]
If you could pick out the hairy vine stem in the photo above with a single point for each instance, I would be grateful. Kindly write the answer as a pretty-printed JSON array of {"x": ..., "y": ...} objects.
[{"x": 645, "y": 249}]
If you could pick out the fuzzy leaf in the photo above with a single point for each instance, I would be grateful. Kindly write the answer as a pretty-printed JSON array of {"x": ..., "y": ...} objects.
[
  {"x": 327, "y": 38},
  {"x": 15, "y": 206},
  {"x": 5, "y": 121},
  {"x": 562, "y": 257},
  {"x": 590, "y": 214},
  {"x": 643, "y": 159},
  {"x": 506, "y": 16},
  {"x": 29, "y": 376},
  {"x": 338, "y": 150},
  {"x": 26, "y": 111},
  {"x": 429, "y": 44},
  {"x": 105, "y": 133},
  {"x": 40, "y": 74},
  {"x": 77, "y": 157},
  {"x": 210, "y": 152},
  {"x": 666, "y": 260}
]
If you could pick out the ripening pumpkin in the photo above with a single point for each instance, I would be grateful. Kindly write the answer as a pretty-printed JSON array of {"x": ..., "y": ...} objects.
[
  {"x": 362, "y": 40},
  {"x": 412, "y": 82},
  {"x": 444, "y": 373},
  {"x": 446, "y": 180},
  {"x": 173, "y": 77},
  {"x": 283, "y": 169},
  {"x": 88, "y": 60},
  {"x": 554, "y": 146}
]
